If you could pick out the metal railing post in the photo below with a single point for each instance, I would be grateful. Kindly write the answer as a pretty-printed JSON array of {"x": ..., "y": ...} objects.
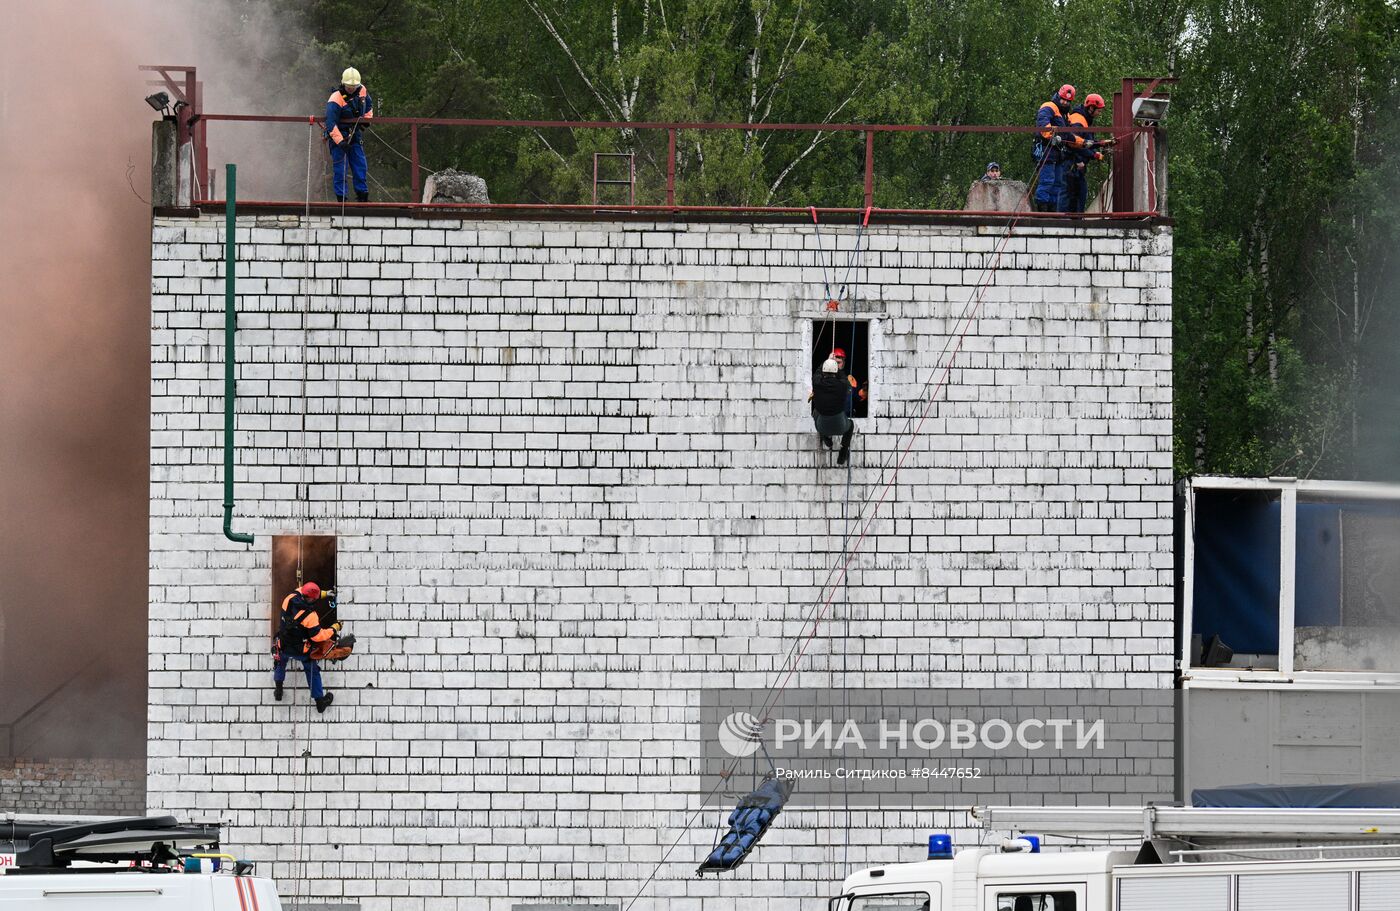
[
  {"x": 869, "y": 168},
  {"x": 671, "y": 167},
  {"x": 413, "y": 159},
  {"x": 201, "y": 143}
]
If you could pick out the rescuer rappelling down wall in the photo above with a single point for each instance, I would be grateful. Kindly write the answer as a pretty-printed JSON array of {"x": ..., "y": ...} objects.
[{"x": 308, "y": 634}]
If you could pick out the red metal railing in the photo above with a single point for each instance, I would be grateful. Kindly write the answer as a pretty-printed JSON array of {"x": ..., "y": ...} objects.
[{"x": 1123, "y": 129}]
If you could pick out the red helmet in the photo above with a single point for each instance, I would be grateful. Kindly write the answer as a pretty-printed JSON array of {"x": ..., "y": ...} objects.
[
  {"x": 310, "y": 590},
  {"x": 1067, "y": 92},
  {"x": 838, "y": 352},
  {"x": 1094, "y": 102}
]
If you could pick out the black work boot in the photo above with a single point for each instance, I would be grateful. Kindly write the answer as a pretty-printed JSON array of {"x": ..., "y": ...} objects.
[
  {"x": 324, "y": 702},
  {"x": 843, "y": 456},
  {"x": 361, "y": 197},
  {"x": 828, "y": 442},
  {"x": 339, "y": 198},
  {"x": 277, "y": 690}
]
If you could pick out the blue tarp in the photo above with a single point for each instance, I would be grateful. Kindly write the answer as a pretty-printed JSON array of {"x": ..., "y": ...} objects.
[
  {"x": 747, "y": 824},
  {"x": 1365, "y": 795}
]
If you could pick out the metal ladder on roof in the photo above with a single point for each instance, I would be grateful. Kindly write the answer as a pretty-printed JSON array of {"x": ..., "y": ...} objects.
[
  {"x": 1257, "y": 824},
  {"x": 630, "y": 182}
]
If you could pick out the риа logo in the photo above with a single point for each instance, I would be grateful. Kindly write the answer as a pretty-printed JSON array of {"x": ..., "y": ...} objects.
[{"x": 740, "y": 734}]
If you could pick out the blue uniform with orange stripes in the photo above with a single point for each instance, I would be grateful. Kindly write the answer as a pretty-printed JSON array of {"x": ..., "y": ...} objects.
[
  {"x": 1049, "y": 158},
  {"x": 1079, "y": 152},
  {"x": 347, "y": 144},
  {"x": 300, "y": 629}
]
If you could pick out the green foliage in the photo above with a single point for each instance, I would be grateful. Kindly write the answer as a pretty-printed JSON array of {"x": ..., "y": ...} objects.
[{"x": 1282, "y": 128}]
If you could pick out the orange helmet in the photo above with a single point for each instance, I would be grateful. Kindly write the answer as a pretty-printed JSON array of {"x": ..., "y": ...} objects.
[
  {"x": 310, "y": 590},
  {"x": 1066, "y": 92},
  {"x": 1094, "y": 102}
]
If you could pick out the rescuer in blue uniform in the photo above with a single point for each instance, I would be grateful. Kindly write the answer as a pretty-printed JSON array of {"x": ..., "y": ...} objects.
[
  {"x": 1080, "y": 149},
  {"x": 298, "y": 633},
  {"x": 349, "y": 102},
  {"x": 1046, "y": 150}
]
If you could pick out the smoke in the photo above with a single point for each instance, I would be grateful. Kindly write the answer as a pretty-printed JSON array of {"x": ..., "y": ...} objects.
[{"x": 74, "y": 306}]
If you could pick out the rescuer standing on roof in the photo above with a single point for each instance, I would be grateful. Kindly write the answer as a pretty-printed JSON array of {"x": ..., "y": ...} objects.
[
  {"x": 350, "y": 102},
  {"x": 298, "y": 634},
  {"x": 1047, "y": 150},
  {"x": 1084, "y": 150},
  {"x": 833, "y": 394}
]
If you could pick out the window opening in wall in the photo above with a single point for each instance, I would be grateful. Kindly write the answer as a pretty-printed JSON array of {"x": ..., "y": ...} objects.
[
  {"x": 317, "y": 565},
  {"x": 853, "y": 337},
  {"x": 1236, "y": 585},
  {"x": 1347, "y": 585}
]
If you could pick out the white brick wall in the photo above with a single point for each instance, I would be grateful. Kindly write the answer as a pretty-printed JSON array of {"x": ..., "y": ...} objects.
[{"x": 574, "y": 480}]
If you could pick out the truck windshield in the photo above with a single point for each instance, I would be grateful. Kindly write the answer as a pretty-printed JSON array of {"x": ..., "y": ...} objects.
[{"x": 895, "y": 901}]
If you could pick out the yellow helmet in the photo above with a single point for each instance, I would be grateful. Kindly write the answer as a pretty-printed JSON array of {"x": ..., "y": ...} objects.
[{"x": 351, "y": 77}]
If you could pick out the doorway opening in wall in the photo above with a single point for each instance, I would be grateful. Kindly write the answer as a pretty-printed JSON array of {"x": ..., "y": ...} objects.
[
  {"x": 851, "y": 336},
  {"x": 317, "y": 565}
]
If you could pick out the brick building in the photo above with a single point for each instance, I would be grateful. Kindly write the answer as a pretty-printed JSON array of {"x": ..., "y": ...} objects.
[{"x": 572, "y": 482}]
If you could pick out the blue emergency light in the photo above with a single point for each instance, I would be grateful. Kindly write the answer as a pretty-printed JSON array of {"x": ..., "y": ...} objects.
[
  {"x": 940, "y": 847},
  {"x": 1034, "y": 840}
]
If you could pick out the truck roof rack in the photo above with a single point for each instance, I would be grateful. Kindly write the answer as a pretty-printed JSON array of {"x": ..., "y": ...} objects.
[
  {"x": 1259, "y": 824},
  {"x": 154, "y": 839}
]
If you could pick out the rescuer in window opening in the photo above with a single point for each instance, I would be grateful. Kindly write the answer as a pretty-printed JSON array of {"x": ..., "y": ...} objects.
[
  {"x": 833, "y": 395},
  {"x": 303, "y": 637},
  {"x": 993, "y": 172},
  {"x": 351, "y": 102},
  {"x": 1046, "y": 150},
  {"x": 1078, "y": 155}
]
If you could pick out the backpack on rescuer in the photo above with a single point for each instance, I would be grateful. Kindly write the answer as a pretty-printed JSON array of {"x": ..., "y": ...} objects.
[
  {"x": 831, "y": 393},
  {"x": 291, "y": 635}
]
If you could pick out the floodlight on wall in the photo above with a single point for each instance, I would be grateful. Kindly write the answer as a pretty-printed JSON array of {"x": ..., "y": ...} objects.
[
  {"x": 1150, "y": 110},
  {"x": 158, "y": 101}
]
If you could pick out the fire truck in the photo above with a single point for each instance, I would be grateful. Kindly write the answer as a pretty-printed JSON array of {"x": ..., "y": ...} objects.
[
  {"x": 149, "y": 864},
  {"x": 1186, "y": 859}
]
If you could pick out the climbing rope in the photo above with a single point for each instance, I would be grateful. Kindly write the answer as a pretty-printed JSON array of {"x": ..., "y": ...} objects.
[
  {"x": 384, "y": 142},
  {"x": 829, "y": 320},
  {"x": 846, "y": 556},
  {"x": 853, "y": 262},
  {"x": 298, "y": 813},
  {"x": 303, "y": 491},
  {"x": 841, "y": 570}
]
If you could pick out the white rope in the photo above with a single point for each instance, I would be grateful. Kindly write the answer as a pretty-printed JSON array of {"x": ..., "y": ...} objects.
[{"x": 384, "y": 142}]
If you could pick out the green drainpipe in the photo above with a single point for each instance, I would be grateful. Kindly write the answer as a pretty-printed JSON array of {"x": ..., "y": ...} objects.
[{"x": 230, "y": 326}]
